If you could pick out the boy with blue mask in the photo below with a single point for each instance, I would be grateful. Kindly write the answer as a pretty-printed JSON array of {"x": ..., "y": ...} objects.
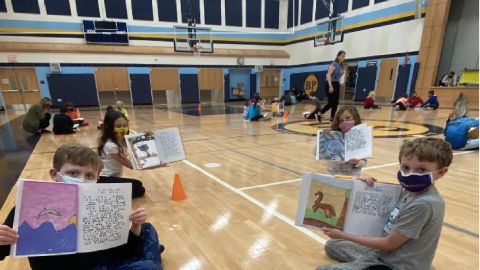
[
  {"x": 411, "y": 235},
  {"x": 78, "y": 164}
]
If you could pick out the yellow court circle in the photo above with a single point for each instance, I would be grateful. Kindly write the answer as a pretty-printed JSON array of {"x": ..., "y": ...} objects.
[{"x": 381, "y": 128}]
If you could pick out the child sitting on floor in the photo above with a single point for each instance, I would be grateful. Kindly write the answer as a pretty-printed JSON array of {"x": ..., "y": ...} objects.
[
  {"x": 75, "y": 163},
  {"x": 459, "y": 125},
  {"x": 370, "y": 101},
  {"x": 432, "y": 101}
]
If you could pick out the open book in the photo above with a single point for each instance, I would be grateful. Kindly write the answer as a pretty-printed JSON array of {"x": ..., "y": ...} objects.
[
  {"x": 339, "y": 146},
  {"x": 146, "y": 151},
  {"x": 349, "y": 205},
  {"x": 57, "y": 218}
]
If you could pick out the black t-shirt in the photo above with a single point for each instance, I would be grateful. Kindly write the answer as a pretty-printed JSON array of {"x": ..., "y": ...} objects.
[
  {"x": 78, "y": 261},
  {"x": 62, "y": 124}
]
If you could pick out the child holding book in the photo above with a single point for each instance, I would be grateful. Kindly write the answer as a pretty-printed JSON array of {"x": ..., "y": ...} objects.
[
  {"x": 370, "y": 101},
  {"x": 112, "y": 150},
  {"x": 75, "y": 163},
  {"x": 459, "y": 125},
  {"x": 413, "y": 230},
  {"x": 346, "y": 118}
]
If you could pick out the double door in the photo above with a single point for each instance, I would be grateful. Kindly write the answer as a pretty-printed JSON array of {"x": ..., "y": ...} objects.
[{"x": 19, "y": 87}]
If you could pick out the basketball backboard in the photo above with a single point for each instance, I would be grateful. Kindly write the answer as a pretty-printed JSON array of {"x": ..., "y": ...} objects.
[
  {"x": 329, "y": 32},
  {"x": 192, "y": 39}
]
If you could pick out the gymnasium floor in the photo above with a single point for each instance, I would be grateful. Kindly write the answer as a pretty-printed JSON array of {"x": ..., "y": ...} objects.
[{"x": 240, "y": 214}]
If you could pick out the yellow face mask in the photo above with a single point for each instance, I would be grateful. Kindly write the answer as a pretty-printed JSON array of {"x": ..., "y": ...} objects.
[{"x": 120, "y": 132}]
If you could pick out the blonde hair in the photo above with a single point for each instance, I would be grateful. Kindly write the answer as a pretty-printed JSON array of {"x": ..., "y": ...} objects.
[
  {"x": 428, "y": 149},
  {"x": 371, "y": 94},
  {"x": 461, "y": 107},
  {"x": 119, "y": 104},
  {"x": 76, "y": 154},
  {"x": 45, "y": 102}
]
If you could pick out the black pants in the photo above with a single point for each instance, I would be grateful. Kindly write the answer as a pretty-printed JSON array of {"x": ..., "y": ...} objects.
[
  {"x": 333, "y": 99},
  {"x": 137, "y": 186},
  {"x": 401, "y": 106},
  {"x": 45, "y": 122}
]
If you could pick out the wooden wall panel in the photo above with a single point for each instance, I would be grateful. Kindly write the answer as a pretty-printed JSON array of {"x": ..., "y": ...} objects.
[
  {"x": 112, "y": 79},
  {"x": 164, "y": 79},
  {"x": 270, "y": 83},
  {"x": 386, "y": 78},
  {"x": 210, "y": 79}
]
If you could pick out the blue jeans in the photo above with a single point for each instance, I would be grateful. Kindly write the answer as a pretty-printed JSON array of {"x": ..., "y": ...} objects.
[
  {"x": 471, "y": 144},
  {"x": 147, "y": 258}
]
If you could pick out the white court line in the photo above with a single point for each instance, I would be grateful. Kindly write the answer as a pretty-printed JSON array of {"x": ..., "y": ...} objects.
[
  {"x": 259, "y": 204},
  {"x": 271, "y": 184}
]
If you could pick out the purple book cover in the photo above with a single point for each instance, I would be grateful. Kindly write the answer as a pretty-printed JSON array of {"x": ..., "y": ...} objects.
[{"x": 47, "y": 218}]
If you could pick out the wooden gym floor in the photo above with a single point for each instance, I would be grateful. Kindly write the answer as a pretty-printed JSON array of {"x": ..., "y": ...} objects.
[{"x": 240, "y": 215}]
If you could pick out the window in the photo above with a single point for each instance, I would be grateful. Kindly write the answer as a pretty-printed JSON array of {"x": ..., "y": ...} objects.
[
  {"x": 142, "y": 10},
  {"x": 233, "y": 12},
  {"x": 58, "y": 7},
  {"x": 87, "y": 8},
  {"x": 254, "y": 13},
  {"x": 116, "y": 9},
  {"x": 272, "y": 10},
  {"x": 307, "y": 10},
  {"x": 213, "y": 13},
  {"x": 167, "y": 10},
  {"x": 26, "y": 6}
]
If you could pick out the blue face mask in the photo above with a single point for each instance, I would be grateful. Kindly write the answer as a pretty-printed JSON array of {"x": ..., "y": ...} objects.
[
  {"x": 72, "y": 180},
  {"x": 415, "y": 182}
]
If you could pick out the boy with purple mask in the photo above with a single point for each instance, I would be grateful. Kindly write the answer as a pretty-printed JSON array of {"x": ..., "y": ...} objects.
[{"x": 412, "y": 233}]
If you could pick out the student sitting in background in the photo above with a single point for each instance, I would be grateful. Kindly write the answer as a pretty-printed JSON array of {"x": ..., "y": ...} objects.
[
  {"x": 449, "y": 79},
  {"x": 370, "y": 101},
  {"x": 414, "y": 100},
  {"x": 286, "y": 98},
  {"x": 121, "y": 109},
  {"x": 432, "y": 101},
  {"x": 316, "y": 113},
  {"x": 255, "y": 109},
  {"x": 37, "y": 118},
  {"x": 77, "y": 164},
  {"x": 458, "y": 126},
  {"x": 74, "y": 113},
  {"x": 401, "y": 103},
  {"x": 100, "y": 122},
  {"x": 62, "y": 123}
]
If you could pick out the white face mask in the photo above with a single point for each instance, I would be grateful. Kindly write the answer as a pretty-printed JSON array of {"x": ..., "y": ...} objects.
[{"x": 72, "y": 180}]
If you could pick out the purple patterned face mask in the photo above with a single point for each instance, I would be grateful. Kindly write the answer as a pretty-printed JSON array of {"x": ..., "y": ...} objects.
[
  {"x": 415, "y": 182},
  {"x": 346, "y": 125}
]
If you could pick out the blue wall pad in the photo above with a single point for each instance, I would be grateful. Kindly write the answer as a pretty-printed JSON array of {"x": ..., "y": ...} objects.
[
  {"x": 233, "y": 12},
  {"x": 141, "y": 90},
  {"x": 142, "y": 10},
  {"x": 167, "y": 10},
  {"x": 359, "y": 3},
  {"x": 307, "y": 8},
  {"x": 3, "y": 7},
  {"x": 253, "y": 84},
  {"x": 78, "y": 88},
  {"x": 87, "y": 8},
  {"x": 26, "y": 6},
  {"x": 321, "y": 11},
  {"x": 292, "y": 16},
  {"x": 58, "y": 7},
  {"x": 254, "y": 13},
  {"x": 414, "y": 77},
  {"x": 272, "y": 10},
  {"x": 116, "y": 9},
  {"x": 240, "y": 76},
  {"x": 401, "y": 85},
  {"x": 192, "y": 8},
  {"x": 297, "y": 80},
  {"x": 226, "y": 87},
  {"x": 189, "y": 88},
  {"x": 213, "y": 12},
  {"x": 366, "y": 79}
]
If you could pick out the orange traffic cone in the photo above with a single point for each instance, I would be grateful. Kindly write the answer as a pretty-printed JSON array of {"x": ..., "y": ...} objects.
[
  {"x": 178, "y": 192},
  {"x": 200, "y": 107},
  {"x": 285, "y": 115}
]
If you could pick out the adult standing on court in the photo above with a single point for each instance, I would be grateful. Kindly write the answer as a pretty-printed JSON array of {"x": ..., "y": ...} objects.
[
  {"x": 37, "y": 117},
  {"x": 332, "y": 84}
]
